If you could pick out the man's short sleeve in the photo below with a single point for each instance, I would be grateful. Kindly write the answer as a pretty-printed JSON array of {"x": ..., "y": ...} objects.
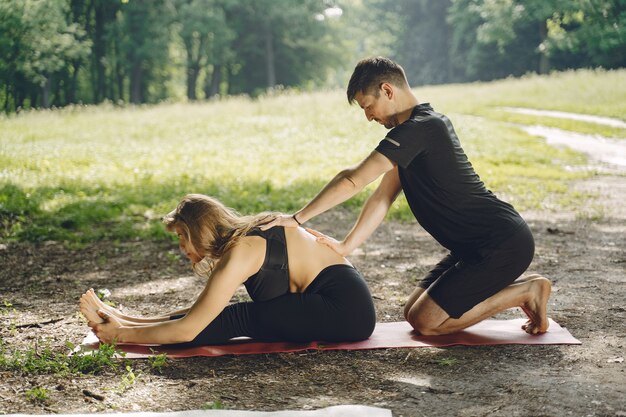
[{"x": 401, "y": 144}]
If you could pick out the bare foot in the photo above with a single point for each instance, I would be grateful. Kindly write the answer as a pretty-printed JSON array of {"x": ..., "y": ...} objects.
[
  {"x": 537, "y": 307},
  {"x": 112, "y": 311},
  {"x": 522, "y": 280},
  {"x": 89, "y": 308}
]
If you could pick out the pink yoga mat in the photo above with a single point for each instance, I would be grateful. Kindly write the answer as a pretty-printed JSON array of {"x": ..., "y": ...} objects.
[{"x": 386, "y": 335}]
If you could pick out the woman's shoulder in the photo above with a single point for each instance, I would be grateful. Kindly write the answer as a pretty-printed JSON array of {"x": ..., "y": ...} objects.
[
  {"x": 246, "y": 255},
  {"x": 247, "y": 245}
]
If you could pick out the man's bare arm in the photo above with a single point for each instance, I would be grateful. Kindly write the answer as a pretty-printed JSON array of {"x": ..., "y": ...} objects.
[
  {"x": 343, "y": 186},
  {"x": 372, "y": 214}
]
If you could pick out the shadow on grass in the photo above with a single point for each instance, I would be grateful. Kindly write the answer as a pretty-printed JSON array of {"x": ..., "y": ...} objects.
[{"x": 79, "y": 214}]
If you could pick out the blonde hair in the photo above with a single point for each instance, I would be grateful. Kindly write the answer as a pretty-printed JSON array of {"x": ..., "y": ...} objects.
[{"x": 211, "y": 227}]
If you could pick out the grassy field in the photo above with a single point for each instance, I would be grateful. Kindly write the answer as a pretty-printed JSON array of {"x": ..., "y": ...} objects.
[{"x": 85, "y": 173}]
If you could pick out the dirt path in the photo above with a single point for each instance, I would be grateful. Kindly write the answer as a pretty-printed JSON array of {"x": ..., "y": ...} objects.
[
  {"x": 583, "y": 255},
  {"x": 608, "y": 121}
]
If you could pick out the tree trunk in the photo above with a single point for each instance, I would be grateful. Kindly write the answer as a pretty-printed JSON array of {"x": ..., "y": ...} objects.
[
  {"x": 6, "y": 98},
  {"x": 119, "y": 73},
  {"x": 192, "y": 79},
  {"x": 45, "y": 102},
  {"x": 544, "y": 61},
  {"x": 229, "y": 75},
  {"x": 212, "y": 89},
  {"x": 73, "y": 83},
  {"x": 99, "y": 52},
  {"x": 269, "y": 54},
  {"x": 136, "y": 78},
  {"x": 34, "y": 96}
]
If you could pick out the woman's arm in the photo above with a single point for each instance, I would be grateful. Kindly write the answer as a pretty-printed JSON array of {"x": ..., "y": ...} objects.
[{"x": 232, "y": 270}]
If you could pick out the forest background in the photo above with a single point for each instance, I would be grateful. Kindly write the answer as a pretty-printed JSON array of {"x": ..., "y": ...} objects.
[{"x": 59, "y": 52}]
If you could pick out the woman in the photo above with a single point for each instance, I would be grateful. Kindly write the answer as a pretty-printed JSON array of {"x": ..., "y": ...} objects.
[{"x": 301, "y": 290}]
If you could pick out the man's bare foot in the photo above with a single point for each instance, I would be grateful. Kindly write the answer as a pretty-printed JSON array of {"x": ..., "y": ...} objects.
[
  {"x": 522, "y": 280},
  {"x": 537, "y": 307},
  {"x": 527, "y": 278}
]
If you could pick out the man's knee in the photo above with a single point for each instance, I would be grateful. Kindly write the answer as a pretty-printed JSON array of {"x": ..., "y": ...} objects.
[
  {"x": 425, "y": 316},
  {"x": 407, "y": 309},
  {"x": 421, "y": 324},
  {"x": 412, "y": 301},
  {"x": 422, "y": 327}
]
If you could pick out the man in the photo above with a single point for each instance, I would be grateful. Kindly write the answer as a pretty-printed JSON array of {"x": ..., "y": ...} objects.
[{"x": 490, "y": 244}]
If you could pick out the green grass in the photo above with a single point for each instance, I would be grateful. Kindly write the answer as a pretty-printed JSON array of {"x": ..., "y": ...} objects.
[
  {"x": 157, "y": 361},
  {"x": 128, "y": 380},
  {"x": 596, "y": 92},
  {"x": 37, "y": 360},
  {"x": 37, "y": 394},
  {"x": 446, "y": 361},
  {"x": 213, "y": 405},
  {"x": 83, "y": 174}
]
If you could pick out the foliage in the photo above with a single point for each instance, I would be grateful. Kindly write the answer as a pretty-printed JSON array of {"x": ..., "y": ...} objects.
[
  {"x": 466, "y": 40},
  {"x": 59, "y": 52},
  {"x": 419, "y": 36},
  {"x": 37, "y": 394},
  {"x": 446, "y": 361},
  {"x": 279, "y": 42},
  {"x": 44, "y": 360},
  {"x": 56, "y": 52},
  {"x": 128, "y": 380},
  {"x": 36, "y": 42},
  {"x": 591, "y": 30},
  {"x": 213, "y": 405},
  {"x": 207, "y": 37},
  {"x": 157, "y": 361}
]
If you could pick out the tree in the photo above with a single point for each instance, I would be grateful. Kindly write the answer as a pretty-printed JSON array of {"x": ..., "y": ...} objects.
[
  {"x": 420, "y": 36},
  {"x": 144, "y": 47},
  {"x": 39, "y": 42},
  {"x": 206, "y": 36},
  {"x": 279, "y": 42},
  {"x": 497, "y": 38},
  {"x": 585, "y": 33},
  {"x": 12, "y": 50}
]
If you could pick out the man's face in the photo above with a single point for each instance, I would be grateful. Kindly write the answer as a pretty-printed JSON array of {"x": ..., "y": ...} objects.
[{"x": 381, "y": 109}]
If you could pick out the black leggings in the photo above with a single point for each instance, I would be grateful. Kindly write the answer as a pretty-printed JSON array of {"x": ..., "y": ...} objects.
[{"x": 336, "y": 307}]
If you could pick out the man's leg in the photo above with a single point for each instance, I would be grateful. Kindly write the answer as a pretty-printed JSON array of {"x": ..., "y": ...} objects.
[
  {"x": 445, "y": 264},
  {"x": 471, "y": 290},
  {"x": 415, "y": 295},
  {"x": 428, "y": 318}
]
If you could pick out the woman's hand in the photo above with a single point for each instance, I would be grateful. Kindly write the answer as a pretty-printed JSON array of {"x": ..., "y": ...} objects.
[
  {"x": 284, "y": 220},
  {"x": 107, "y": 331},
  {"x": 334, "y": 244}
]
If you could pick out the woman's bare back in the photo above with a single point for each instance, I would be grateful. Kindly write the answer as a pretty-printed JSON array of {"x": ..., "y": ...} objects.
[{"x": 307, "y": 258}]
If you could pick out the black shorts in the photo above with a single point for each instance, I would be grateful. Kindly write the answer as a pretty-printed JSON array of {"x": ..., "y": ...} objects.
[{"x": 458, "y": 284}]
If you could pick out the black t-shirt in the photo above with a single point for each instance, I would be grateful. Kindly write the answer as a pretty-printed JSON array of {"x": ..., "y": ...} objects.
[{"x": 444, "y": 192}]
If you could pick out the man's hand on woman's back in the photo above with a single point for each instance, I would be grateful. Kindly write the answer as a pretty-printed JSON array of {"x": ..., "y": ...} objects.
[{"x": 334, "y": 244}]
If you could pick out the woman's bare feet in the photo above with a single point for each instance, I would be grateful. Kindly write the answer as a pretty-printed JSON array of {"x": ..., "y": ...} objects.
[
  {"x": 92, "y": 303},
  {"x": 89, "y": 308},
  {"x": 112, "y": 311},
  {"x": 537, "y": 307}
]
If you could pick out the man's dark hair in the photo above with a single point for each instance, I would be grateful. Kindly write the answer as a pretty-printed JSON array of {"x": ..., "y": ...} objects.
[{"x": 370, "y": 73}]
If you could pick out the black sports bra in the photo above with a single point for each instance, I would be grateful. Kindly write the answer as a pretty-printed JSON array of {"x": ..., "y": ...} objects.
[{"x": 272, "y": 280}]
